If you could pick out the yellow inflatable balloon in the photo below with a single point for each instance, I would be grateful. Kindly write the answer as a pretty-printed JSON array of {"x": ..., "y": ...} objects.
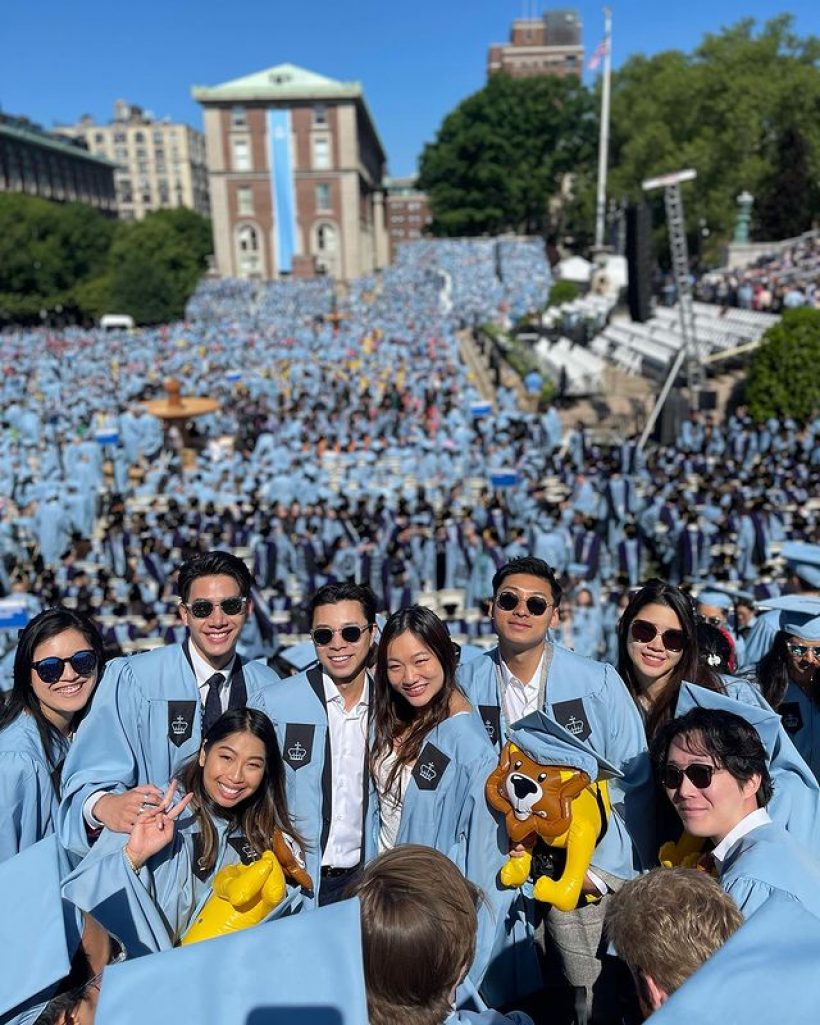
[{"x": 243, "y": 895}]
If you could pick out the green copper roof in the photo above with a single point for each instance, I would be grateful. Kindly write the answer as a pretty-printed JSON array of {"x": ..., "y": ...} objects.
[
  {"x": 51, "y": 141},
  {"x": 282, "y": 82}
]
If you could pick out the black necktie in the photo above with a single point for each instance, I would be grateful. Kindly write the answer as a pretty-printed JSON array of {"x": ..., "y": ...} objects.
[{"x": 213, "y": 704}]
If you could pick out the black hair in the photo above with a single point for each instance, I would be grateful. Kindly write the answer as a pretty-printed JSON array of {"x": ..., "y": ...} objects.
[
  {"x": 659, "y": 592},
  {"x": 71, "y": 990},
  {"x": 732, "y": 742},
  {"x": 332, "y": 594},
  {"x": 773, "y": 672},
  {"x": 22, "y": 698},
  {"x": 714, "y": 648},
  {"x": 213, "y": 564},
  {"x": 533, "y": 567},
  {"x": 258, "y": 815},
  {"x": 393, "y": 716}
]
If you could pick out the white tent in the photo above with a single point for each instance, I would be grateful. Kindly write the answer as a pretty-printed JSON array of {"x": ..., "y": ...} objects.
[{"x": 575, "y": 268}]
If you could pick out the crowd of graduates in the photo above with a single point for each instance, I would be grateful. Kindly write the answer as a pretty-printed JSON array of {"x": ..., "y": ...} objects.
[{"x": 253, "y": 685}]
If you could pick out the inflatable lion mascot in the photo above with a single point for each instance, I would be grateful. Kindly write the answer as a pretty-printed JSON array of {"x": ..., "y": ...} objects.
[
  {"x": 551, "y": 789},
  {"x": 244, "y": 895}
]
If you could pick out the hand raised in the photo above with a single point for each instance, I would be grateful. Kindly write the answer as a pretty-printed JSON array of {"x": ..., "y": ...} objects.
[
  {"x": 119, "y": 812},
  {"x": 154, "y": 829}
]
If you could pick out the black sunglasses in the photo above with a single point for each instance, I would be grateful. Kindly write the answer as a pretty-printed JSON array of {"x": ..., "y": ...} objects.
[
  {"x": 508, "y": 600},
  {"x": 643, "y": 631},
  {"x": 699, "y": 775},
  {"x": 202, "y": 607},
  {"x": 323, "y": 635},
  {"x": 51, "y": 669}
]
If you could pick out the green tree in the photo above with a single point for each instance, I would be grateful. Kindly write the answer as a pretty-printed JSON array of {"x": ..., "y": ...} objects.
[
  {"x": 49, "y": 252},
  {"x": 782, "y": 378},
  {"x": 730, "y": 110},
  {"x": 562, "y": 292},
  {"x": 154, "y": 264},
  {"x": 502, "y": 154}
]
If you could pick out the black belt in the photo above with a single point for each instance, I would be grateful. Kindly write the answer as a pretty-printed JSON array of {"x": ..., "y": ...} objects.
[{"x": 328, "y": 872}]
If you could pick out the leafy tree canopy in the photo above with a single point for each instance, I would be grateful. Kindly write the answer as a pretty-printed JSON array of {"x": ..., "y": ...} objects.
[
  {"x": 501, "y": 155},
  {"x": 782, "y": 378},
  {"x": 73, "y": 264},
  {"x": 743, "y": 109}
]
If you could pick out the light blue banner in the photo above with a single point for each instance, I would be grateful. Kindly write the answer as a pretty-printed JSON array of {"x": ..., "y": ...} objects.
[{"x": 282, "y": 188}]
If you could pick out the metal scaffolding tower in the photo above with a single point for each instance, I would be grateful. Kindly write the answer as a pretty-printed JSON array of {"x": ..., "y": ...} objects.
[{"x": 690, "y": 349}]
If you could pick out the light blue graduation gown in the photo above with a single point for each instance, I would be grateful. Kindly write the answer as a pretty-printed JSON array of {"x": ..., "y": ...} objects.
[
  {"x": 304, "y": 969},
  {"x": 28, "y": 798},
  {"x": 151, "y": 910},
  {"x": 765, "y": 973},
  {"x": 590, "y": 699},
  {"x": 801, "y": 720},
  {"x": 144, "y": 724},
  {"x": 795, "y": 804},
  {"x": 445, "y": 807},
  {"x": 765, "y": 861},
  {"x": 299, "y": 717}
]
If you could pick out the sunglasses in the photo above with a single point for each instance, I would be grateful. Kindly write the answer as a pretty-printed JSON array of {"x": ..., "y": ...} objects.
[
  {"x": 117, "y": 954},
  {"x": 700, "y": 776},
  {"x": 712, "y": 620},
  {"x": 644, "y": 632},
  {"x": 50, "y": 670},
  {"x": 507, "y": 601},
  {"x": 323, "y": 635},
  {"x": 801, "y": 650},
  {"x": 202, "y": 607}
]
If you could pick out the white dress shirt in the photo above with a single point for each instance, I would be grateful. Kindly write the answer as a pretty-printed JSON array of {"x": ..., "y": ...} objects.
[
  {"x": 348, "y": 744},
  {"x": 756, "y": 818},
  {"x": 521, "y": 695},
  {"x": 202, "y": 672}
]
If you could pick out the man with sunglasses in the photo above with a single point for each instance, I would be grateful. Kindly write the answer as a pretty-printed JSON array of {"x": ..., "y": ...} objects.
[
  {"x": 152, "y": 710},
  {"x": 527, "y": 673},
  {"x": 714, "y": 769},
  {"x": 321, "y": 718}
]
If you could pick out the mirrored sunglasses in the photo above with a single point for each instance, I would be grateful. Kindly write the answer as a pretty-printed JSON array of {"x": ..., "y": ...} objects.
[
  {"x": 507, "y": 601},
  {"x": 699, "y": 775},
  {"x": 50, "y": 670},
  {"x": 801, "y": 650},
  {"x": 323, "y": 635},
  {"x": 643, "y": 632},
  {"x": 202, "y": 607}
]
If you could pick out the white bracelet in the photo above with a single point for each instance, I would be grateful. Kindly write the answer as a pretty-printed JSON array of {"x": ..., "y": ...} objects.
[{"x": 130, "y": 861}]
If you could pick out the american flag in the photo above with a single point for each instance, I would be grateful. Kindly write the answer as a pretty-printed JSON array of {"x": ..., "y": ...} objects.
[{"x": 597, "y": 54}]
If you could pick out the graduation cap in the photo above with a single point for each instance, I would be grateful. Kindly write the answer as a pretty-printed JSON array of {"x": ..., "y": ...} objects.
[
  {"x": 764, "y": 720},
  {"x": 803, "y": 560},
  {"x": 719, "y": 599},
  {"x": 39, "y": 931},
  {"x": 766, "y": 972},
  {"x": 300, "y": 655},
  {"x": 266, "y": 975},
  {"x": 548, "y": 743},
  {"x": 799, "y": 614}
]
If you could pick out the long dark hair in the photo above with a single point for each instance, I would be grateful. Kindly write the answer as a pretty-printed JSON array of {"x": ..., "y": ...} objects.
[
  {"x": 22, "y": 698},
  {"x": 393, "y": 715},
  {"x": 261, "y": 813},
  {"x": 773, "y": 672},
  {"x": 690, "y": 668}
]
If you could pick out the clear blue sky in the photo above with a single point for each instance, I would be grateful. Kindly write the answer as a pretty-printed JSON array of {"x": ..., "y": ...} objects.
[{"x": 416, "y": 60}]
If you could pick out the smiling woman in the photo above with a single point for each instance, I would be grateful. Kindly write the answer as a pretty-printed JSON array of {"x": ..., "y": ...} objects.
[
  {"x": 234, "y": 813},
  {"x": 658, "y": 650},
  {"x": 430, "y": 757},
  {"x": 58, "y": 661}
]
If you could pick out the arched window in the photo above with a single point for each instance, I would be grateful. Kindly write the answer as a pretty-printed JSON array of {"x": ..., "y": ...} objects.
[{"x": 248, "y": 251}]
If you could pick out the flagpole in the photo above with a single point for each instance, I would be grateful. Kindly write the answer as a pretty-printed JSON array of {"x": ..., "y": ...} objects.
[{"x": 603, "y": 142}]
